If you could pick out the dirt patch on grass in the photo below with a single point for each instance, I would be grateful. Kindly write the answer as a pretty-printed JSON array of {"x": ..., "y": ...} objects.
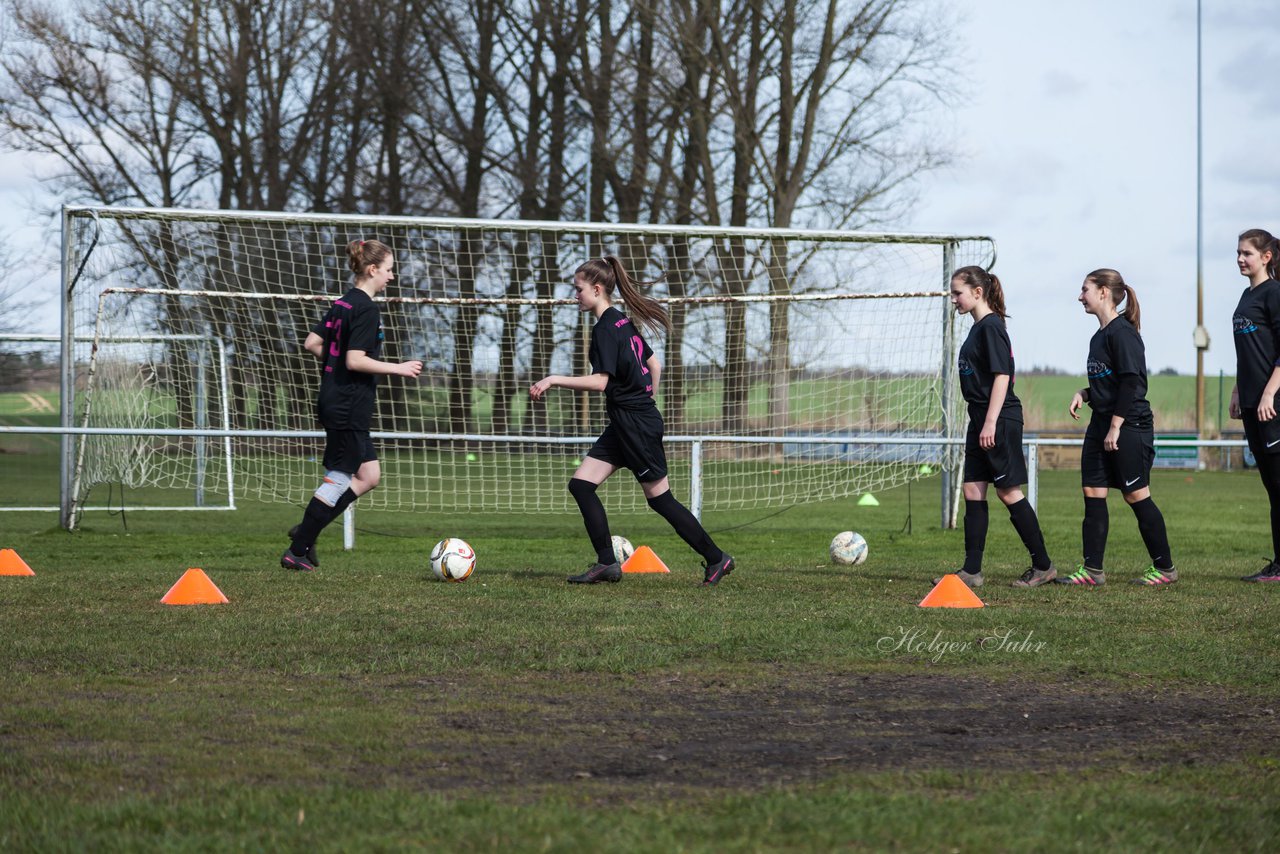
[
  {"x": 680, "y": 731},
  {"x": 619, "y": 735}
]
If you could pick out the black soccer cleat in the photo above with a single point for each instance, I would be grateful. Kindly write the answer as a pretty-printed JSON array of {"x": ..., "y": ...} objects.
[
  {"x": 1034, "y": 577},
  {"x": 972, "y": 580},
  {"x": 1269, "y": 574},
  {"x": 289, "y": 560},
  {"x": 611, "y": 572},
  {"x": 713, "y": 572},
  {"x": 312, "y": 557}
]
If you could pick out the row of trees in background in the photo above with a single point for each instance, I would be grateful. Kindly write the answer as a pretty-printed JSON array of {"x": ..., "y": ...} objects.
[
  {"x": 740, "y": 113},
  {"x": 749, "y": 112}
]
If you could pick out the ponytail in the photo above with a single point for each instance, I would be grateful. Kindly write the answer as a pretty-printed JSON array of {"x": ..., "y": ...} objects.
[
  {"x": 992, "y": 292},
  {"x": 1132, "y": 312},
  {"x": 1265, "y": 242},
  {"x": 995, "y": 297},
  {"x": 363, "y": 254},
  {"x": 608, "y": 273},
  {"x": 1119, "y": 291}
]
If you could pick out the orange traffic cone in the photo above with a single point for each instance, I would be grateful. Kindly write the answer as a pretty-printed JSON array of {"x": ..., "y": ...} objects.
[
  {"x": 11, "y": 564},
  {"x": 194, "y": 588},
  {"x": 644, "y": 560},
  {"x": 951, "y": 592}
]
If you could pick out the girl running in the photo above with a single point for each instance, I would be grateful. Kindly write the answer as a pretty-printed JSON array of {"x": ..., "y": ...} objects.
[
  {"x": 993, "y": 445},
  {"x": 1257, "y": 332},
  {"x": 627, "y": 371},
  {"x": 1119, "y": 444},
  {"x": 347, "y": 341}
]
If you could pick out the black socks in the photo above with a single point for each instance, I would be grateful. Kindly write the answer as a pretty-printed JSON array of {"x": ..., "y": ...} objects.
[
  {"x": 1269, "y": 468},
  {"x": 315, "y": 518},
  {"x": 1093, "y": 531},
  {"x": 1151, "y": 526},
  {"x": 975, "y": 534},
  {"x": 1028, "y": 528},
  {"x": 594, "y": 517},
  {"x": 676, "y": 514},
  {"x": 687, "y": 526}
]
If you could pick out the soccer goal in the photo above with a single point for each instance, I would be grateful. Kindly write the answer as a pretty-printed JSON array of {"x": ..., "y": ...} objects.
[
  {"x": 136, "y": 396},
  {"x": 801, "y": 366}
]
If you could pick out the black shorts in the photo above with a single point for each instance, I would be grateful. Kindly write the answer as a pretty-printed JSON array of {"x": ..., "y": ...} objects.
[
  {"x": 1128, "y": 468},
  {"x": 1263, "y": 436},
  {"x": 1003, "y": 465},
  {"x": 633, "y": 440},
  {"x": 347, "y": 450}
]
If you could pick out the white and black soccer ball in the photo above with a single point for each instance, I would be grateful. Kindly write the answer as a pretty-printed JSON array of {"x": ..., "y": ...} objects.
[
  {"x": 848, "y": 548},
  {"x": 622, "y": 549},
  {"x": 453, "y": 559}
]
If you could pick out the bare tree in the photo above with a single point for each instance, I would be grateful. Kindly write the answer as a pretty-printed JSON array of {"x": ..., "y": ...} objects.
[
  {"x": 451, "y": 137},
  {"x": 16, "y": 304},
  {"x": 820, "y": 97},
  {"x": 743, "y": 112}
]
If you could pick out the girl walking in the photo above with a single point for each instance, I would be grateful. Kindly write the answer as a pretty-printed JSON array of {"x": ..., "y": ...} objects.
[
  {"x": 1257, "y": 334},
  {"x": 348, "y": 342},
  {"x": 627, "y": 371},
  {"x": 1119, "y": 443},
  {"x": 993, "y": 444}
]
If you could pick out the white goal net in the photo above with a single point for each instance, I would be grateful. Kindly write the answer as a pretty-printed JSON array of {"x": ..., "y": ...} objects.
[{"x": 802, "y": 366}]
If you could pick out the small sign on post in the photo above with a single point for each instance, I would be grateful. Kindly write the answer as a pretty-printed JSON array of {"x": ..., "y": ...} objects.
[{"x": 1177, "y": 457}]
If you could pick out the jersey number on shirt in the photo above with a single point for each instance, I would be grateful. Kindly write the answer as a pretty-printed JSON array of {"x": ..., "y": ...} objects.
[
  {"x": 334, "y": 348},
  {"x": 637, "y": 347}
]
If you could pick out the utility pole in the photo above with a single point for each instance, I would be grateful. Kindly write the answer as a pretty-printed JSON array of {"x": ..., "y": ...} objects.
[{"x": 1200, "y": 337}]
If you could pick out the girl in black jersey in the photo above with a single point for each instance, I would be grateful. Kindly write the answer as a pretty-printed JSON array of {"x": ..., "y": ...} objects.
[
  {"x": 348, "y": 342},
  {"x": 627, "y": 371},
  {"x": 993, "y": 446},
  {"x": 1257, "y": 334},
  {"x": 1119, "y": 444}
]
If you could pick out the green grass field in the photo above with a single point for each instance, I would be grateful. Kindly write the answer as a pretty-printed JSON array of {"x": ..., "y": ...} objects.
[{"x": 795, "y": 707}]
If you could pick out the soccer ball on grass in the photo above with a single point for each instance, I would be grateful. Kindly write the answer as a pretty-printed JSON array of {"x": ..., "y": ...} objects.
[
  {"x": 622, "y": 549},
  {"x": 453, "y": 560},
  {"x": 848, "y": 549}
]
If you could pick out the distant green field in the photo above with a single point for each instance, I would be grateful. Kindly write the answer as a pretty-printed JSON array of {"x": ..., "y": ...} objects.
[
  {"x": 827, "y": 402},
  {"x": 31, "y": 460},
  {"x": 16, "y": 407},
  {"x": 1173, "y": 399}
]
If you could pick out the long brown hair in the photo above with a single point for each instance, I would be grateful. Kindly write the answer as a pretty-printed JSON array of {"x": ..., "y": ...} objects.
[
  {"x": 608, "y": 273},
  {"x": 1118, "y": 291},
  {"x": 362, "y": 254},
  {"x": 1265, "y": 242},
  {"x": 992, "y": 293}
]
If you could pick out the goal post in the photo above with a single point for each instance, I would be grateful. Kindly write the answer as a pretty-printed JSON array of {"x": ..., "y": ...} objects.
[{"x": 801, "y": 365}]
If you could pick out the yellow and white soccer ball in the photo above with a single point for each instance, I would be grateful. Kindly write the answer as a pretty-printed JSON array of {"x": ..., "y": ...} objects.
[
  {"x": 848, "y": 548},
  {"x": 622, "y": 549},
  {"x": 453, "y": 559}
]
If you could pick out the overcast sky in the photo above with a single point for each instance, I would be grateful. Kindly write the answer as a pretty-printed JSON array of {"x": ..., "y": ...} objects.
[
  {"x": 1078, "y": 151},
  {"x": 1076, "y": 142}
]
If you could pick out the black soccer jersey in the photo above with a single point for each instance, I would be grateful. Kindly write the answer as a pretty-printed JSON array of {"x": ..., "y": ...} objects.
[
  {"x": 985, "y": 353},
  {"x": 1116, "y": 353},
  {"x": 347, "y": 397},
  {"x": 619, "y": 350},
  {"x": 1257, "y": 332}
]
